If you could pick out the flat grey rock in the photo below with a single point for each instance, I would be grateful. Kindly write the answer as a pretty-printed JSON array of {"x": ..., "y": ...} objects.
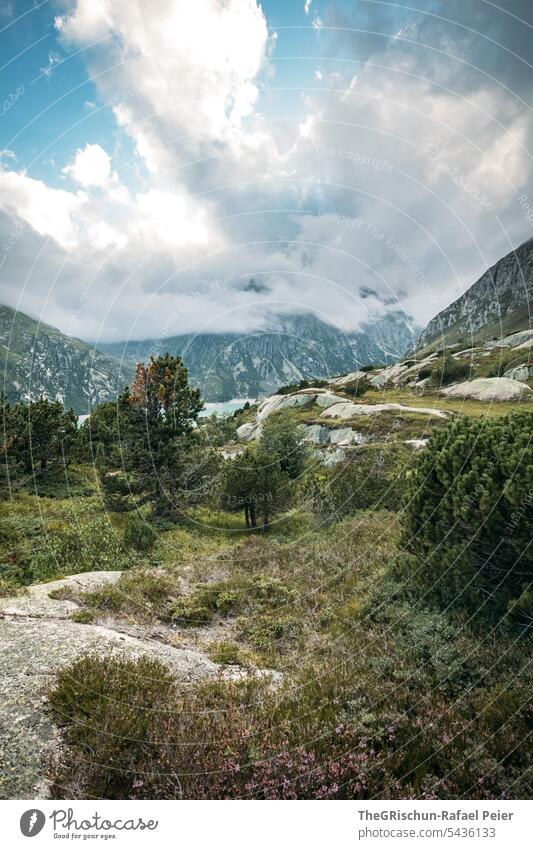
[
  {"x": 347, "y": 410},
  {"x": 36, "y": 601},
  {"x": 490, "y": 389},
  {"x": 32, "y": 651}
]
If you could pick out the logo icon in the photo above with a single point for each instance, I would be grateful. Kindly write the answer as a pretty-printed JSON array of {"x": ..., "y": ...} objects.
[{"x": 32, "y": 822}]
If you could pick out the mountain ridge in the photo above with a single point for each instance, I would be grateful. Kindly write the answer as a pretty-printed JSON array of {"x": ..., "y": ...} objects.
[
  {"x": 232, "y": 365},
  {"x": 499, "y": 300},
  {"x": 38, "y": 359}
]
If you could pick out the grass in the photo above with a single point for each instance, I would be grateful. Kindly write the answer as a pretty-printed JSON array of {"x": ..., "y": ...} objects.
[
  {"x": 271, "y": 612},
  {"x": 141, "y": 596},
  {"x": 378, "y": 697},
  {"x": 466, "y": 407},
  {"x": 230, "y": 654}
]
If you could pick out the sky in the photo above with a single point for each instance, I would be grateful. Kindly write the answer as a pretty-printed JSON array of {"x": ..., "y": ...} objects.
[{"x": 350, "y": 158}]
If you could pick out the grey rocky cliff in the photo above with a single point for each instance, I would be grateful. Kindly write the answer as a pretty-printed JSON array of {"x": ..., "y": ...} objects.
[
  {"x": 502, "y": 290},
  {"x": 40, "y": 360}
]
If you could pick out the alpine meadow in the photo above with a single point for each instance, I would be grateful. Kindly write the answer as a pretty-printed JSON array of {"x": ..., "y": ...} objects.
[{"x": 266, "y": 468}]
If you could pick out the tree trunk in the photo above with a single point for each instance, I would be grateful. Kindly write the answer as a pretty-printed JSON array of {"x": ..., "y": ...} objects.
[
  {"x": 266, "y": 523},
  {"x": 247, "y": 515},
  {"x": 252, "y": 516}
]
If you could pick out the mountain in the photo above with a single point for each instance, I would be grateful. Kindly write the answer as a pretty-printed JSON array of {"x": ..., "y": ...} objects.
[
  {"x": 499, "y": 303},
  {"x": 38, "y": 359},
  {"x": 232, "y": 365}
]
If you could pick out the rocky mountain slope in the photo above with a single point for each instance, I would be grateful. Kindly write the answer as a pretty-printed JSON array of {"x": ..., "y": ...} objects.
[
  {"x": 499, "y": 303},
  {"x": 232, "y": 365},
  {"x": 402, "y": 402},
  {"x": 38, "y": 359}
]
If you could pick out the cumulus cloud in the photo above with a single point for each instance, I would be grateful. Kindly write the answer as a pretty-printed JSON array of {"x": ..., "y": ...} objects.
[
  {"x": 50, "y": 212},
  {"x": 183, "y": 77},
  {"x": 91, "y": 166},
  {"x": 396, "y": 182}
]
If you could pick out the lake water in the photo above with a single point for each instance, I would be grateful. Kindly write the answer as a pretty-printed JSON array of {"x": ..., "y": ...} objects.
[
  {"x": 225, "y": 408},
  {"x": 221, "y": 408}
]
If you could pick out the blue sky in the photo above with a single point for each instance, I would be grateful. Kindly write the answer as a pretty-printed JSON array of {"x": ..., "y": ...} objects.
[{"x": 148, "y": 150}]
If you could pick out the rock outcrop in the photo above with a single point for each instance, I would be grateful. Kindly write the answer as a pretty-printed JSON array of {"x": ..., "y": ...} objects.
[
  {"x": 490, "y": 389},
  {"x": 348, "y": 410},
  {"x": 522, "y": 372},
  {"x": 38, "y": 638}
]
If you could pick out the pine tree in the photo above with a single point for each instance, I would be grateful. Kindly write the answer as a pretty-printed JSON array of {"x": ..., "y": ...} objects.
[
  {"x": 42, "y": 435},
  {"x": 468, "y": 513},
  {"x": 255, "y": 484},
  {"x": 158, "y": 418}
]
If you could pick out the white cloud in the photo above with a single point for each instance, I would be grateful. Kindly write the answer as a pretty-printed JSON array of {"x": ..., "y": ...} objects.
[
  {"x": 91, "y": 166},
  {"x": 50, "y": 212},
  {"x": 168, "y": 219},
  {"x": 53, "y": 59},
  {"x": 185, "y": 75}
]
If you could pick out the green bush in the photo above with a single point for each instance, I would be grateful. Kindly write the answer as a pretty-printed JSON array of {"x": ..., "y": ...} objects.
[
  {"x": 121, "y": 707},
  {"x": 227, "y": 654},
  {"x": 139, "y": 534},
  {"x": 84, "y": 547},
  {"x": 468, "y": 514},
  {"x": 372, "y": 367},
  {"x": 9, "y": 587},
  {"x": 281, "y": 440},
  {"x": 358, "y": 388},
  {"x": 449, "y": 371},
  {"x": 369, "y": 480},
  {"x": 20, "y": 536},
  {"x": 289, "y": 388},
  {"x": 204, "y": 603},
  {"x": 229, "y": 598},
  {"x": 271, "y": 635}
]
